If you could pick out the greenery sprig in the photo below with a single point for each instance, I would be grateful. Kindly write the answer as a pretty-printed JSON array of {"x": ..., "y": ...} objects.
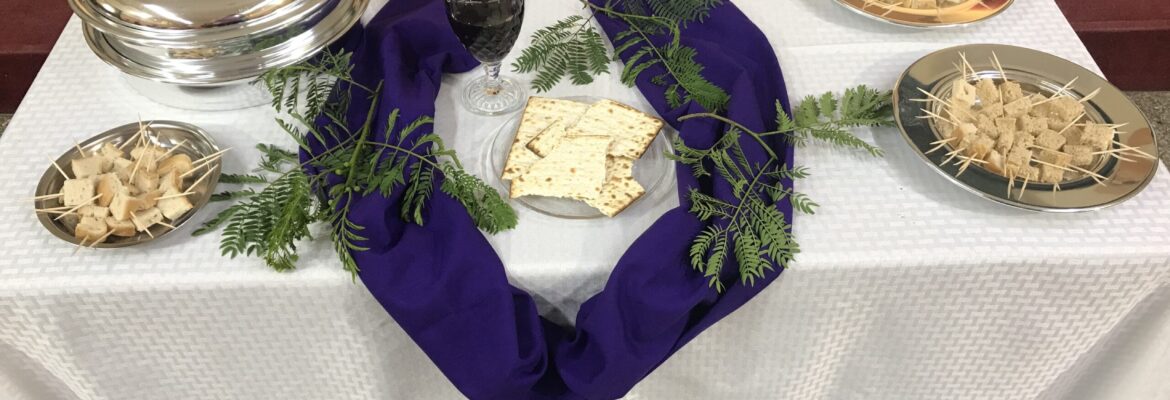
[
  {"x": 268, "y": 223},
  {"x": 753, "y": 231},
  {"x": 573, "y": 48}
]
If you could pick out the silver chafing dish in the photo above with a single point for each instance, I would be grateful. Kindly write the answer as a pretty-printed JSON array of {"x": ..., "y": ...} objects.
[{"x": 204, "y": 54}]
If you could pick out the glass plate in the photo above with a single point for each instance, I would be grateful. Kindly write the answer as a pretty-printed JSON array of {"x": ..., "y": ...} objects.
[
  {"x": 1037, "y": 72},
  {"x": 650, "y": 171}
]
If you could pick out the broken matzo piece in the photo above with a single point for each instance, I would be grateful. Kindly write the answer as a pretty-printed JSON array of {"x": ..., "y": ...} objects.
[
  {"x": 620, "y": 189},
  {"x": 575, "y": 169},
  {"x": 549, "y": 138},
  {"x": 539, "y": 114},
  {"x": 631, "y": 130}
]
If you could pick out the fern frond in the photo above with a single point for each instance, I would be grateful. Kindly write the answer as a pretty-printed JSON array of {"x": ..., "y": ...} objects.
[{"x": 487, "y": 208}]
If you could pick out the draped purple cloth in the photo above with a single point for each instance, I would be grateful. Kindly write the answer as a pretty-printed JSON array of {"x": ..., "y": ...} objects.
[{"x": 444, "y": 284}]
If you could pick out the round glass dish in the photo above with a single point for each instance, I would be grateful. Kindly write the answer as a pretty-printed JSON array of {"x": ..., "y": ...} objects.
[{"x": 651, "y": 171}]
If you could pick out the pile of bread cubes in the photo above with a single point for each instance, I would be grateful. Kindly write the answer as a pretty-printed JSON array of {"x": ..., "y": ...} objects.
[
  {"x": 112, "y": 195},
  {"x": 580, "y": 151},
  {"x": 1023, "y": 135}
]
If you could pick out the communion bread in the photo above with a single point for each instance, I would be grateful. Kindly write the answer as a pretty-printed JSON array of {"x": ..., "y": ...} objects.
[
  {"x": 620, "y": 188},
  {"x": 575, "y": 170},
  {"x": 549, "y": 138},
  {"x": 632, "y": 130},
  {"x": 540, "y": 114}
]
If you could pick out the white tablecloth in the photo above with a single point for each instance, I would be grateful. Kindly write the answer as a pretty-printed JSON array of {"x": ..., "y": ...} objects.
[{"x": 908, "y": 287}]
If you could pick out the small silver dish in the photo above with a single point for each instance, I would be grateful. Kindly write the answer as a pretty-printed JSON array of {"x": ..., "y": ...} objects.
[
  {"x": 964, "y": 13},
  {"x": 1037, "y": 72},
  {"x": 165, "y": 134}
]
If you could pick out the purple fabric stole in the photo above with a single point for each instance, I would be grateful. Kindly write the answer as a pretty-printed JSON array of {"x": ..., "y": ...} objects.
[{"x": 446, "y": 287}]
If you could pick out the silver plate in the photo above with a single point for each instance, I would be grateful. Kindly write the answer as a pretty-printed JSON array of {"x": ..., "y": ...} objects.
[
  {"x": 228, "y": 57},
  {"x": 965, "y": 13},
  {"x": 651, "y": 171},
  {"x": 167, "y": 134},
  {"x": 1046, "y": 74}
]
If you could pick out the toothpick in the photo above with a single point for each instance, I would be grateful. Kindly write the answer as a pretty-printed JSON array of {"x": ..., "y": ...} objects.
[
  {"x": 101, "y": 239},
  {"x": 78, "y": 146},
  {"x": 1051, "y": 165},
  {"x": 953, "y": 154},
  {"x": 1023, "y": 189},
  {"x": 74, "y": 209},
  {"x": 1135, "y": 149},
  {"x": 59, "y": 169},
  {"x": 1070, "y": 124},
  {"x": 1096, "y": 177},
  {"x": 995, "y": 60},
  {"x": 80, "y": 245},
  {"x": 175, "y": 196},
  {"x": 1090, "y": 96},
  {"x": 215, "y": 154},
  {"x": 172, "y": 150},
  {"x": 172, "y": 227},
  {"x": 48, "y": 196},
  {"x": 201, "y": 178},
  {"x": 966, "y": 64}
]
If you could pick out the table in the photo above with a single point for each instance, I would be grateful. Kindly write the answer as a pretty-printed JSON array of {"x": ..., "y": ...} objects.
[{"x": 908, "y": 287}]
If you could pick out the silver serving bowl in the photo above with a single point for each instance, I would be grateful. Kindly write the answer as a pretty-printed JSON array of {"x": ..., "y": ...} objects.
[
  {"x": 1037, "y": 72},
  {"x": 166, "y": 134},
  {"x": 212, "y": 43}
]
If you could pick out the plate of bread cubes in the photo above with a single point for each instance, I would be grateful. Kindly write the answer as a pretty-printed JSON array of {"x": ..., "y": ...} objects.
[
  {"x": 128, "y": 185},
  {"x": 580, "y": 157}
]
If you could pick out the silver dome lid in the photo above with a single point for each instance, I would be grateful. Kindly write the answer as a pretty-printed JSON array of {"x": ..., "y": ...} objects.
[{"x": 197, "y": 44}]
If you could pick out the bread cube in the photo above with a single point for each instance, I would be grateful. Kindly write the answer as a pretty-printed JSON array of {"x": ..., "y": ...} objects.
[
  {"x": 121, "y": 228},
  {"x": 1024, "y": 140},
  {"x": 1059, "y": 159},
  {"x": 1006, "y": 141},
  {"x": 981, "y": 146},
  {"x": 1017, "y": 108},
  {"x": 1060, "y": 111},
  {"x": 995, "y": 162},
  {"x": 122, "y": 168},
  {"x": 108, "y": 185},
  {"x": 987, "y": 92},
  {"x": 174, "y": 207},
  {"x": 1081, "y": 155},
  {"x": 110, "y": 151},
  {"x": 986, "y": 126},
  {"x": 90, "y": 229},
  {"x": 146, "y": 181},
  {"x": 76, "y": 192},
  {"x": 90, "y": 166},
  {"x": 963, "y": 91},
  {"x": 180, "y": 163},
  {"x": 992, "y": 109},
  {"x": 1049, "y": 139},
  {"x": 170, "y": 181},
  {"x": 93, "y": 211},
  {"x": 145, "y": 219},
  {"x": 1010, "y": 91},
  {"x": 1033, "y": 125},
  {"x": 124, "y": 205},
  {"x": 1050, "y": 174},
  {"x": 1029, "y": 172},
  {"x": 1098, "y": 137},
  {"x": 149, "y": 199}
]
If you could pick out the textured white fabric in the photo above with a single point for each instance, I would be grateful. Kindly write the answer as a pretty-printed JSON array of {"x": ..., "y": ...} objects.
[{"x": 908, "y": 287}]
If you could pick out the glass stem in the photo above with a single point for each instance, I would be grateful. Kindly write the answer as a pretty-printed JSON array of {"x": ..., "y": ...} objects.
[{"x": 494, "y": 84}]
